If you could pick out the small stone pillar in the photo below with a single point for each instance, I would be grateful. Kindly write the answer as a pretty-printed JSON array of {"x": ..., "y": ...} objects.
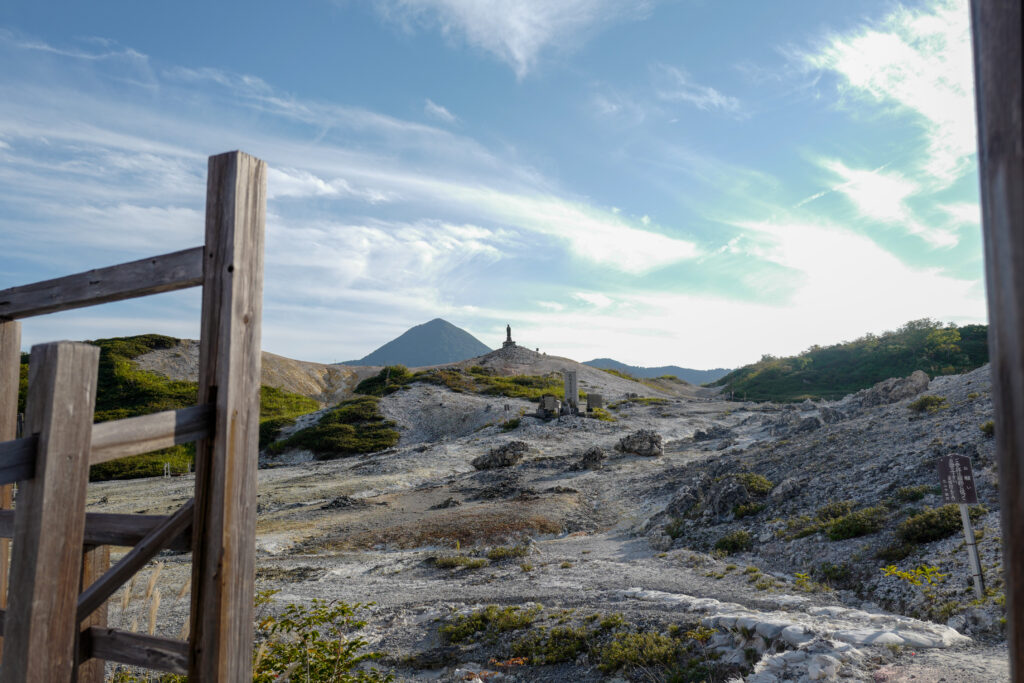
[
  {"x": 572, "y": 391},
  {"x": 594, "y": 401}
]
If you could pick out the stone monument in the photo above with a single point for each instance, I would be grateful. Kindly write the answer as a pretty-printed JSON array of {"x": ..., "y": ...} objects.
[
  {"x": 572, "y": 392},
  {"x": 508, "y": 337}
]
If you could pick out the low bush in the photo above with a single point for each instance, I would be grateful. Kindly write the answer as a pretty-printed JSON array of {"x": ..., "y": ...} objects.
[
  {"x": 734, "y": 541},
  {"x": 755, "y": 484},
  {"x": 859, "y": 523},
  {"x": 675, "y": 528},
  {"x": 912, "y": 494},
  {"x": 456, "y": 561},
  {"x": 933, "y": 524},
  {"x": 488, "y": 622},
  {"x": 988, "y": 428},
  {"x": 645, "y": 650},
  {"x": 928, "y": 403},
  {"x": 747, "y": 509},
  {"x": 505, "y": 552},
  {"x": 387, "y": 381},
  {"x": 602, "y": 415},
  {"x": 834, "y": 510},
  {"x": 560, "y": 644}
]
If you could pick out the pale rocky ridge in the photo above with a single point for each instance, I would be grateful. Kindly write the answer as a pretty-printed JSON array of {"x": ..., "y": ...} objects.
[{"x": 364, "y": 528}]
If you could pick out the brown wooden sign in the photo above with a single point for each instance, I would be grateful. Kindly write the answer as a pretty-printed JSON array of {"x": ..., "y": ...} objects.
[{"x": 957, "y": 480}]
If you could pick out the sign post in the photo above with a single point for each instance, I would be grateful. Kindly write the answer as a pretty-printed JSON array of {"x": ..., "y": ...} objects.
[{"x": 957, "y": 480}]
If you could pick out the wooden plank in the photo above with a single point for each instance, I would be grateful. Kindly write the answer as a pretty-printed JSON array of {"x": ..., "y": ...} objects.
[
  {"x": 105, "y": 528},
  {"x": 145, "y": 433},
  {"x": 999, "y": 89},
  {"x": 95, "y": 562},
  {"x": 136, "y": 558},
  {"x": 18, "y": 460},
  {"x": 165, "y": 273},
  {"x": 136, "y": 649},
  {"x": 50, "y": 519},
  {"x": 224, "y": 537},
  {"x": 10, "y": 374}
]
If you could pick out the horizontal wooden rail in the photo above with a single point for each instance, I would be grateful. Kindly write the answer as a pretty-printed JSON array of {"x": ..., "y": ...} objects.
[
  {"x": 103, "y": 528},
  {"x": 153, "y": 275},
  {"x": 116, "y": 439},
  {"x": 134, "y": 649},
  {"x": 17, "y": 460},
  {"x": 134, "y": 435},
  {"x": 153, "y": 542}
]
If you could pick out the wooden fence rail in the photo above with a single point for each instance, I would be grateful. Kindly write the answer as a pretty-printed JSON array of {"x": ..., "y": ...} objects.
[{"x": 55, "y": 625}]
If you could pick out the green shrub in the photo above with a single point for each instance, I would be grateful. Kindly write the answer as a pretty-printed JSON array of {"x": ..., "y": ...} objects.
[
  {"x": 560, "y": 644},
  {"x": 834, "y": 510},
  {"x": 646, "y": 649},
  {"x": 911, "y": 494},
  {"x": 353, "y": 426},
  {"x": 747, "y": 509},
  {"x": 613, "y": 621},
  {"x": 489, "y": 621},
  {"x": 318, "y": 639},
  {"x": 859, "y": 523},
  {"x": 755, "y": 484},
  {"x": 988, "y": 428},
  {"x": 602, "y": 415},
  {"x": 675, "y": 528},
  {"x": 928, "y": 403},
  {"x": 933, "y": 524},
  {"x": 509, "y": 425},
  {"x": 387, "y": 381},
  {"x": 506, "y": 552},
  {"x": 734, "y": 541}
]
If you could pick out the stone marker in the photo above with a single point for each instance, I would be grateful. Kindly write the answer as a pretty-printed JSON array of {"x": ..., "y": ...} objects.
[
  {"x": 594, "y": 401},
  {"x": 572, "y": 392}
]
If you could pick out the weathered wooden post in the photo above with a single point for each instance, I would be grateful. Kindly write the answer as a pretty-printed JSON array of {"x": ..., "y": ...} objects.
[
  {"x": 10, "y": 373},
  {"x": 49, "y": 523},
  {"x": 224, "y": 533},
  {"x": 999, "y": 89}
]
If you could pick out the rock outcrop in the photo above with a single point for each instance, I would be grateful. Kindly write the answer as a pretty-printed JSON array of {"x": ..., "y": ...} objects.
[
  {"x": 505, "y": 455},
  {"x": 646, "y": 442}
]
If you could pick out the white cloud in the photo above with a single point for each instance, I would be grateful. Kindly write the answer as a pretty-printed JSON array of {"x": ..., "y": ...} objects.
[
  {"x": 516, "y": 31},
  {"x": 676, "y": 85},
  {"x": 876, "y": 193},
  {"x": 963, "y": 213},
  {"x": 596, "y": 299},
  {"x": 918, "y": 61},
  {"x": 296, "y": 183},
  {"x": 436, "y": 111}
]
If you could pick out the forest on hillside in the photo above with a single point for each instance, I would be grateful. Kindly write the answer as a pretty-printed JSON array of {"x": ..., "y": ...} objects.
[{"x": 830, "y": 372}]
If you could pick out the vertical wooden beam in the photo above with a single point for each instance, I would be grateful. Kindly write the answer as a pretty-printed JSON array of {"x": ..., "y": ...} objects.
[
  {"x": 49, "y": 522},
  {"x": 999, "y": 89},
  {"x": 95, "y": 562},
  {"x": 224, "y": 531},
  {"x": 10, "y": 373}
]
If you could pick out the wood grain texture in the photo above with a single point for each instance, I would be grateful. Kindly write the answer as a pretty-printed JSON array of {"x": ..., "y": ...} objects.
[
  {"x": 136, "y": 649},
  {"x": 18, "y": 459},
  {"x": 224, "y": 536},
  {"x": 50, "y": 519},
  {"x": 145, "y": 433},
  {"x": 95, "y": 561},
  {"x": 153, "y": 275},
  {"x": 10, "y": 369},
  {"x": 108, "y": 528},
  {"x": 999, "y": 89},
  {"x": 134, "y": 560}
]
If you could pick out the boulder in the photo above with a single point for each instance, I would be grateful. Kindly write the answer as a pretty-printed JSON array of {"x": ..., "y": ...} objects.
[
  {"x": 505, "y": 455},
  {"x": 645, "y": 442},
  {"x": 727, "y": 495},
  {"x": 808, "y": 424},
  {"x": 713, "y": 432},
  {"x": 786, "y": 489},
  {"x": 830, "y": 415},
  {"x": 893, "y": 389},
  {"x": 592, "y": 459},
  {"x": 687, "y": 497}
]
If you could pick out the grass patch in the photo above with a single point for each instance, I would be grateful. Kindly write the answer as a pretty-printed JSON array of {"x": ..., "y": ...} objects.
[
  {"x": 645, "y": 650},
  {"x": 640, "y": 401},
  {"x": 560, "y": 644},
  {"x": 747, "y": 510},
  {"x": 755, "y": 484},
  {"x": 602, "y": 415},
  {"x": 476, "y": 380},
  {"x": 353, "y": 426},
  {"x": 488, "y": 622},
  {"x": 912, "y": 494},
  {"x": 506, "y": 552},
  {"x": 988, "y": 428}
]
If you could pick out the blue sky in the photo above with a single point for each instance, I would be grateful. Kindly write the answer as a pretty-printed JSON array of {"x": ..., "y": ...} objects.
[{"x": 679, "y": 182}]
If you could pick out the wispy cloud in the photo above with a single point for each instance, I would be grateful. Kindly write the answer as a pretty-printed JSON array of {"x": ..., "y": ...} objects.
[
  {"x": 517, "y": 32},
  {"x": 916, "y": 61},
  {"x": 436, "y": 111},
  {"x": 676, "y": 85}
]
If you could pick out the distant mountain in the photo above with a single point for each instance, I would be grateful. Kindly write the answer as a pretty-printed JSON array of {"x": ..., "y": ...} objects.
[
  {"x": 432, "y": 343},
  {"x": 691, "y": 376}
]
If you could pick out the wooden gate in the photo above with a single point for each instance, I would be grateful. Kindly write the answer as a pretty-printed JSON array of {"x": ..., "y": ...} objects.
[{"x": 54, "y": 624}]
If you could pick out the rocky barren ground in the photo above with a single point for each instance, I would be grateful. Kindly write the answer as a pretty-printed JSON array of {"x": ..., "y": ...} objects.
[{"x": 630, "y": 538}]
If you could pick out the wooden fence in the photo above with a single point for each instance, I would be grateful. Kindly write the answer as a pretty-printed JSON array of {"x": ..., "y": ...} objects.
[{"x": 54, "y": 619}]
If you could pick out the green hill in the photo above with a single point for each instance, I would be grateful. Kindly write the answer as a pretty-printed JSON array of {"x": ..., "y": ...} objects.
[
  {"x": 686, "y": 374},
  {"x": 125, "y": 391},
  {"x": 831, "y": 372}
]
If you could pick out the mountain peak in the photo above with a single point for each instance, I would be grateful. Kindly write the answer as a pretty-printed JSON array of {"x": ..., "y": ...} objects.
[{"x": 434, "y": 342}]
